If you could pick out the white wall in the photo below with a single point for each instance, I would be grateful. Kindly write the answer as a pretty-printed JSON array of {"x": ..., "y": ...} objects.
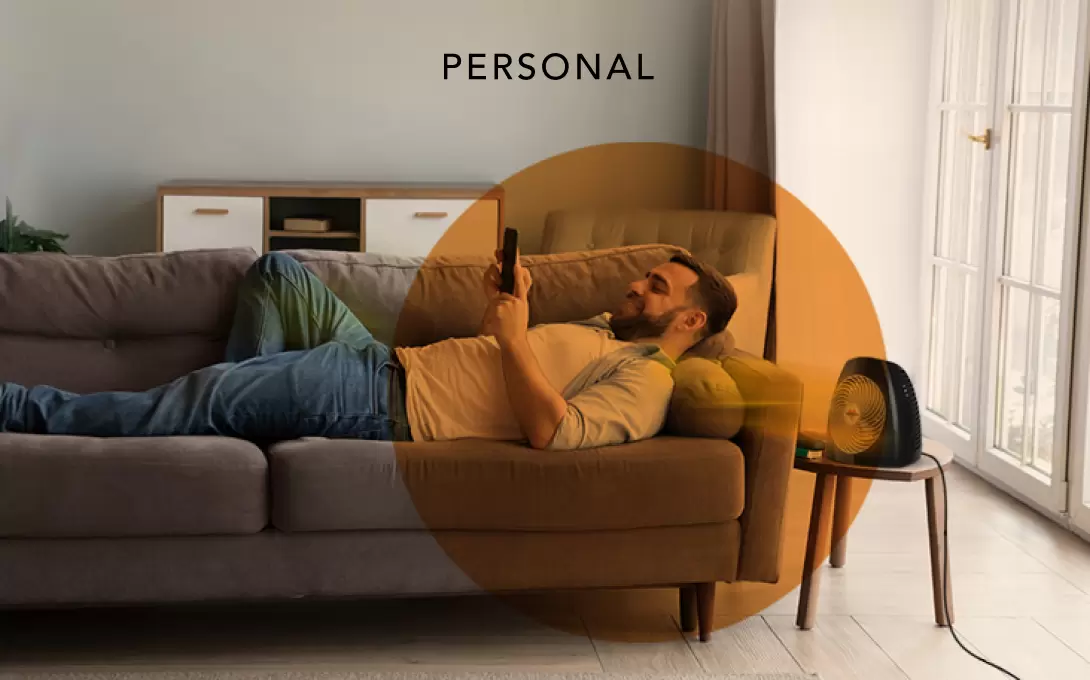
[
  {"x": 7, "y": 91},
  {"x": 113, "y": 97},
  {"x": 852, "y": 80},
  {"x": 106, "y": 99}
]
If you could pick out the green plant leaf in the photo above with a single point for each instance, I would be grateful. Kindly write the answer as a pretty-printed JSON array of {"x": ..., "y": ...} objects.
[
  {"x": 40, "y": 233},
  {"x": 16, "y": 236},
  {"x": 6, "y": 228}
]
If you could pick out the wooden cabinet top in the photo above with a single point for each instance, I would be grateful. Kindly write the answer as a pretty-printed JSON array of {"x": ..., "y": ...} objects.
[{"x": 330, "y": 189}]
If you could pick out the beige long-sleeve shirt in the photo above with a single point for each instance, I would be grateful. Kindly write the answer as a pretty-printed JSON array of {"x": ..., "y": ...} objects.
[{"x": 616, "y": 391}]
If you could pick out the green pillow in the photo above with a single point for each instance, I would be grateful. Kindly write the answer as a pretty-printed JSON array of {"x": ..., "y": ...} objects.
[{"x": 706, "y": 400}]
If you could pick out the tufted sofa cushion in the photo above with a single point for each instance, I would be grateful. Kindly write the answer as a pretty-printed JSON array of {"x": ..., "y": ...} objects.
[{"x": 115, "y": 323}]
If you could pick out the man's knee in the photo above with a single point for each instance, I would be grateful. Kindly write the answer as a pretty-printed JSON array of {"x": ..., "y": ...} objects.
[{"x": 276, "y": 264}]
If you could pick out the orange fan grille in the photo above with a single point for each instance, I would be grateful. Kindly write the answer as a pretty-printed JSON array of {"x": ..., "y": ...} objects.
[{"x": 858, "y": 415}]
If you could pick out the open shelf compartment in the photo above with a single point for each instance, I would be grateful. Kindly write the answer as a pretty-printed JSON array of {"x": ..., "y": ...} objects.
[{"x": 344, "y": 215}]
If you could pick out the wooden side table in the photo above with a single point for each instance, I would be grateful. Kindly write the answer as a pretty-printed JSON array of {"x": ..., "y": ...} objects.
[{"x": 836, "y": 478}]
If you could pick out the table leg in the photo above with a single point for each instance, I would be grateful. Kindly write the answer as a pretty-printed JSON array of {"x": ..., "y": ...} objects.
[
  {"x": 842, "y": 510},
  {"x": 940, "y": 560},
  {"x": 815, "y": 541}
]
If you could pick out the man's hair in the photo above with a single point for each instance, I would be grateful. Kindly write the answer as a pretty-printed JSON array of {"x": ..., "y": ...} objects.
[{"x": 712, "y": 293}]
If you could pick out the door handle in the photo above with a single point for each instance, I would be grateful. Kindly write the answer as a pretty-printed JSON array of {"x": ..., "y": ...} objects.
[{"x": 985, "y": 139}]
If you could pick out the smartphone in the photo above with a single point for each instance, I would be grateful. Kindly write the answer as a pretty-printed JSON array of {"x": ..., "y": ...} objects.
[{"x": 510, "y": 256}]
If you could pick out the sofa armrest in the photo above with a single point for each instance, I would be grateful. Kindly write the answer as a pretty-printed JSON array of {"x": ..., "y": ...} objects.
[{"x": 773, "y": 400}]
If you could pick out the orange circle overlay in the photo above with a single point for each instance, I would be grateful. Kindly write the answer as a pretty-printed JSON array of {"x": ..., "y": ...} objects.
[{"x": 824, "y": 317}]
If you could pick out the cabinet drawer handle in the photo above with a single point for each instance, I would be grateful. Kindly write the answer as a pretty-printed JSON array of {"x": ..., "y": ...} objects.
[
  {"x": 210, "y": 211},
  {"x": 432, "y": 215}
]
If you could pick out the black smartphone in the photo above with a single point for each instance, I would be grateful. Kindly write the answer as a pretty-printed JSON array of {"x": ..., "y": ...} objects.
[{"x": 507, "y": 265}]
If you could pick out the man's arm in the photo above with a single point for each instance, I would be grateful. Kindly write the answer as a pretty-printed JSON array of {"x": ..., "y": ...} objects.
[
  {"x": 629, "y": 405},
  {"x": 491, "y": 284},
  {"x": 537, "y": 405}
]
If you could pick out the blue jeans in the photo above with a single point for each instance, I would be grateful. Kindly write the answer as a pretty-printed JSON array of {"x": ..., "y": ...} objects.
[{"x": 298, "y": 364}]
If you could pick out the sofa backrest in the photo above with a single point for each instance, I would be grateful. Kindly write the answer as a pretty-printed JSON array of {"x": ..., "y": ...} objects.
[
  {"x": 412, "y": 301},
  {"x": 115, "y": 323},
  {"x": 136, "y": 321},
  {"x": 740, "y": 245}
]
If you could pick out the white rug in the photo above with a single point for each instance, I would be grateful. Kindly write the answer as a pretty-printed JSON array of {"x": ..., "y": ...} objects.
[{"x": 364, "y": 675}]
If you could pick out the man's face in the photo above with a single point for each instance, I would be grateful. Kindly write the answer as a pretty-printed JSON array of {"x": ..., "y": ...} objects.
[{"x": 652, "y": 306}]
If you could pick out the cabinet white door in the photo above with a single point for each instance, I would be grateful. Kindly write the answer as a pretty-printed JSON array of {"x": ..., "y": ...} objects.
[
  {"x": 203, "y": 222},
  {"x": 412, "y": 227}
]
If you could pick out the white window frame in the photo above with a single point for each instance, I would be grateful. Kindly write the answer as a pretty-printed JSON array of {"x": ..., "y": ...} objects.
[{"x": 1056, "y": 497}]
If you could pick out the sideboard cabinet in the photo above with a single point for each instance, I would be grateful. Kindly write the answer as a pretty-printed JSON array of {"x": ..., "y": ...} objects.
[{"x": 393, "y": 219}]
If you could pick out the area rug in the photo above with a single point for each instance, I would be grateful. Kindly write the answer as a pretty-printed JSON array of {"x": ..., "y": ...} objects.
[{"x": 364, "y": 675}]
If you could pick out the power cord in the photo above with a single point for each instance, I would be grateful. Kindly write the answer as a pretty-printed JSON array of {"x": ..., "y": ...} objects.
[{"x": 946, "y": 573}]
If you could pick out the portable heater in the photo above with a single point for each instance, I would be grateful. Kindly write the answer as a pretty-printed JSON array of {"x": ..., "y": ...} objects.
[{"x": 874, "y": 419}]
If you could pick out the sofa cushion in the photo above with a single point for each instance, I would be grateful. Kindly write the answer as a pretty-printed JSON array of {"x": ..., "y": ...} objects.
[
  {"x": 86, "y": 365},
  {"x": 115, "y": 323},
  {"x": 53, "y": 486},
  {"x": 328, "y": 485}
]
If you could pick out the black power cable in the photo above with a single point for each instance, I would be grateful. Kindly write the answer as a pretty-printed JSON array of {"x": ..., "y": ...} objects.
[{"x": 946, "y": 574}]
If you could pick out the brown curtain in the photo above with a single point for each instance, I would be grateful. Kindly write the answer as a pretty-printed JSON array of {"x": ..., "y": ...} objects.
[{"x": 740, "y": 173}]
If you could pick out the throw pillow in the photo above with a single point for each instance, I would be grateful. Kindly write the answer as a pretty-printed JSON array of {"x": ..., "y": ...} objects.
[{"x": 706, "y": 400}]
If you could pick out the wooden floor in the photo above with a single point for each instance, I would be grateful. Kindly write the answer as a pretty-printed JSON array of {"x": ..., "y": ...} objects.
[{"x": 1021, "y": 586}]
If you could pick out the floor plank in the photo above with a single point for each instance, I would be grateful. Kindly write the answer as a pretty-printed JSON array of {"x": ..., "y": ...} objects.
[
  {"x": 844, "y": 592},
  {"x": 836, "y": 647},
  {"x": 748, "y": 646},
  {"x": 1061, "y": 551},
  {"x": 1072, "y": 631},
  {"x": 1019, "y": 644},
  {"x": 922, "y": 650},
  {"x": 1024, "y": 647},
  {"x": 649, "y": 644},
  {"x": 874, "y": 593}
]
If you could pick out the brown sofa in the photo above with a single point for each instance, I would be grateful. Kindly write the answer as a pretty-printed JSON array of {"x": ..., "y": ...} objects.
[{"x": 88, "y": 521}]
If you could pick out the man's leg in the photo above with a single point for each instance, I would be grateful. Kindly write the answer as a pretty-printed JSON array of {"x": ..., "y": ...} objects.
[
  {"x": 283, "y": 307},
  {"x": 333, "y": 391},
  {"x": 172, "y": 409},
  {"x": 270, "y": 387}
]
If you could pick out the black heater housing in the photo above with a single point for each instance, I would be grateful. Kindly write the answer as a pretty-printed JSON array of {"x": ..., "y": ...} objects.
[{"x": 874, "y": 419}]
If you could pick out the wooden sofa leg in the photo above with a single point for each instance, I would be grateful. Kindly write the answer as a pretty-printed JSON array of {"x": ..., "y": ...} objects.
[
  {"x": 687, "y": 608},
  {"x": 705, "y": 609}
]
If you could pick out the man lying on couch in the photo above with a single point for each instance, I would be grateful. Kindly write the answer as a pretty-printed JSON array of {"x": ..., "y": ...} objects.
[{"x": 300, "y": 364}]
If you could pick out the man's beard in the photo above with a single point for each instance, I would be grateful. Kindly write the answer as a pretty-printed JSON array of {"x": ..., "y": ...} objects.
[{"x": 641, "y": 326}]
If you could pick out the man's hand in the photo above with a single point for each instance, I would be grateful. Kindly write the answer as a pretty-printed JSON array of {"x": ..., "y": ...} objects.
[
  {"x": 507, "y": 319},
  {"x": 537, "y": 405},
  {"x": 507, "y": 316}
]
